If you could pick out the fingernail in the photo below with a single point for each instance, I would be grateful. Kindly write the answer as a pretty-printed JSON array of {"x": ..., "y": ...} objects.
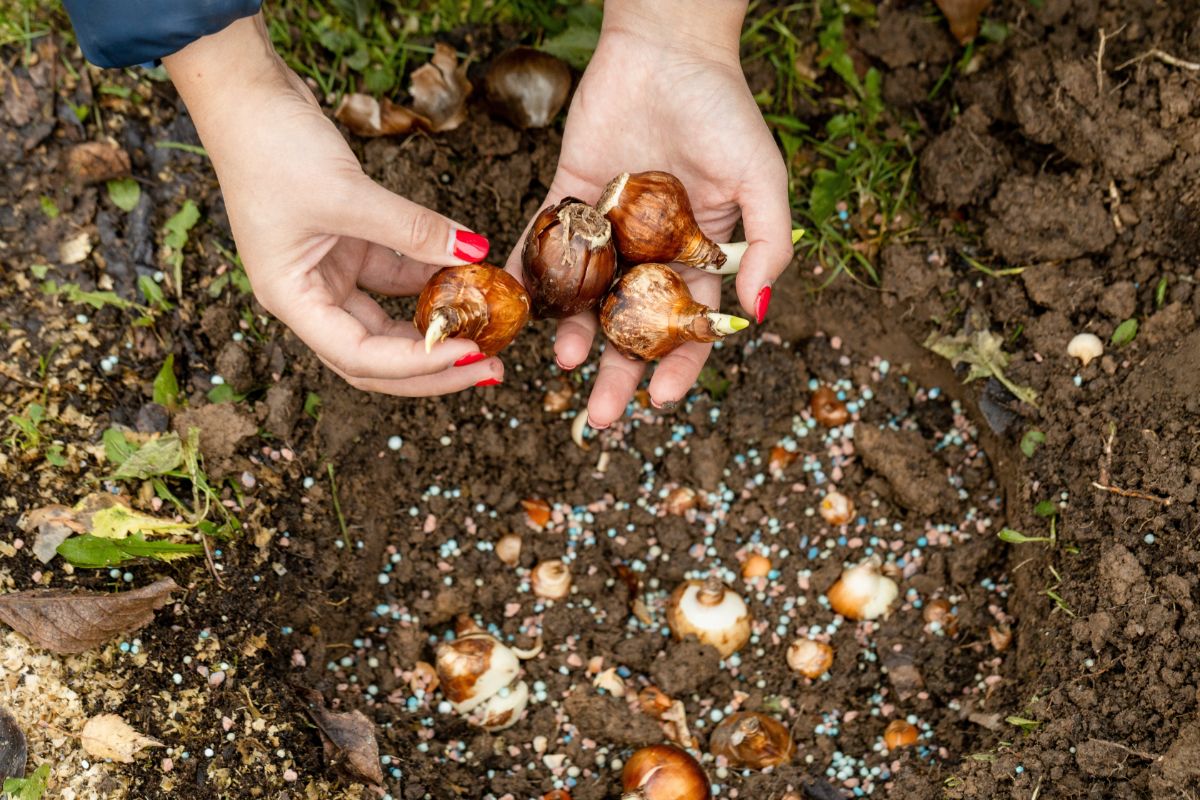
[
  {"x": 470, "y": 247},
  {"x": 760, "y": 305},
  {"x": 488, "y": 382},
  {"x": 596, "y": 427},
  {"x": 470, "y": 358},
  {"x": 668, "y": 405},
  {"x": 561, "y": 365}
]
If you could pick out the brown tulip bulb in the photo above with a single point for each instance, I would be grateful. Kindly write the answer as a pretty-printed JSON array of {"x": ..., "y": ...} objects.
[
  {"x": 750, "y": 739},
  {"x": 653, "y": 222},
  {"x": 569, "y": 259},
  {"x": 827, "y": 409},
  {"x": 527, "y": 87},
  {"x": 664, "y": 772},
  {"x": 475, "y": 301},
  {"x": 900, "y": 733},
  {"x": 650, "y": 312}
]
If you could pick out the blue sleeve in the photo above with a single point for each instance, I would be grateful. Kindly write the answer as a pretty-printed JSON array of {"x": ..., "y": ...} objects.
[{"x": 120, "y": 33}]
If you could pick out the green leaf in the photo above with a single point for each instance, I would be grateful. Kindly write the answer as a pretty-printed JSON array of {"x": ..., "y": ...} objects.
[
  {"x": 166, "y": 388},
  {"x": 240, "y": 280},
  {"x": 981, "y": 350},
  {"x": 175, "y": 230},
  {"x": 827, "y": 190},
  {"x": 1125, "y": 333},
  {"x": 97, "y": 300},
  {"x": 195, "y": 149},
  {"x": 117, "y": 449},
  {"x": 153, "y": 293},
  {"x": 125, "y": 193},
  {"x": 31, "y": 788},
  {"x": 1014, "y": 537},
  {"x": 576, "y": 43},
  {"x": 1046, "y": 508},
  {"x": 713, "y": 382},
  {"x": 119, "y": 522},
  {"x": 1027, "y": 725},
  {"x": 116, "y": 91},
  {"x": 92, "y": 552},
  {"x": 156, "y": 457},
  {"x": 223, "y": 393},
  {"x": 312, "y": 405},
  {"x": 1160, "y": 292},
  {"x": 49, "y": 207},
  {"x": 54, "y": 454},
  {"x": 39, "y": 270},
  {"x": 993, "y": 30},
  {"x": 1030, "y": 442}
]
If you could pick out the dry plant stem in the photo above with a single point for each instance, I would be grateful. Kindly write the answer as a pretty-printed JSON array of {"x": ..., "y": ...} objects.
[
  {"x": 1130, "y": 750},
  {"x": 1105, "y": 471},
  {"x": 1164, "y": 57},
  {"x": 208, "y": 559},
  {"x": 1104, "y": 37}
]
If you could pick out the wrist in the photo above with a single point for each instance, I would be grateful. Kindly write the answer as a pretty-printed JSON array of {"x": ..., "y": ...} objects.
[{"x": 711, "y": 28}]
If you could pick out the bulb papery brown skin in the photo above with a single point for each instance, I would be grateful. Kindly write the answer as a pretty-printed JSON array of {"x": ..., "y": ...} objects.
[
  {"x": 653, "y": 222},
  {"x": 551, "y": 580},
  {"x": 479, "y": 676},
  {"x": 827, "y": 409},
  {"x": 754, "y": 740},
  {"x": 650, "y": 312},
  {"x": 863, "y": 592},
  {"x": 474, "y": 301},
  {"x": 508, "y": 548},
  {"x": 527, "y": 87},
  {"x": 664, "y": 772},
  {"x": 710, "y": 611},
  {"x": 569, "y": 259},
  {"x": 810, "y": 658},
  {"x": 836, "y": 508},
  {"x": 900, "y": 733}
]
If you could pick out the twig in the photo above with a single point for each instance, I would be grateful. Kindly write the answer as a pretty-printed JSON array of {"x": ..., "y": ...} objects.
[
  {"x": 1164, "y": 57},
  {"x": 208, "y": 559},
  {"x": 1104, "y": 37},
  {"x": 1163, "y": 501},
  {"x": 1130, "y": 750},
  {"x": 1106, "y": 462}
]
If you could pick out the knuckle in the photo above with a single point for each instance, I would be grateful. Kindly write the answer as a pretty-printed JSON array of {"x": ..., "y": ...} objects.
[{"x": 423, "y": 232}]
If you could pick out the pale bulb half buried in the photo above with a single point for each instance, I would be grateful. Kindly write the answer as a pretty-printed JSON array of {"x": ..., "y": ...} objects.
[
  {"x": 1086, "y": 347},
  {"x": 551, "y": 580},
  {"x": 863, "y": 592},
  {"x": 810, "y": 658},
  {"x": 478, "y": 674},
  {"x": 712, "y": 612},
  {"x": 502, "y": 709}
]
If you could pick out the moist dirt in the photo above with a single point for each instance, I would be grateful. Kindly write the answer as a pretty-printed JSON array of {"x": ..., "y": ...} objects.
[{"x": 1059, "y": 194}]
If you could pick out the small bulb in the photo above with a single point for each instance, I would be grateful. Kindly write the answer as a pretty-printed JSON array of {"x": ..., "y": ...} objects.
[
  {"x": 827, "y": 409},
  {"x": 502, "y": 709},
  {"x": 1000, "y": 636},
  {"x": 710, "y": 611},
  {"x": 938, "y": 611},
  {"x": 863, "y": 592},
  {"x": 654, "y": 701},
  {"x": 810, "y": 658},
  {"x": 756, "y": 566},
  {"x": 508, "y": 549},
  {"x": 899, "y": 734},
  {"x": 551, "y": 580},
  {"x": 754, "y": 740},
  {"x": 611, "y": 682},
  {"x": 836, "y": 508},
  {"x": 558, "y": 400},
  {"x": 479, "y": 676},
  {"x": 473, "y": 301},
  {"x": 664, "y": 772},
  {"x": 1085, "y": 347},
  {"x": 680, "y": 500},
  {"x": 780, "y": 459}
]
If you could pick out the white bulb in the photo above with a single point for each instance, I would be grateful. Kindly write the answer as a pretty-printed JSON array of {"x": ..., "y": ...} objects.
[
  {"x": 1085, "y": 347},
  {"x": 710, "y": 611},
  {"x": 504, "y": 708},
  {"x": 863, "y": 592},
  {"x": 474, "y": 667}
]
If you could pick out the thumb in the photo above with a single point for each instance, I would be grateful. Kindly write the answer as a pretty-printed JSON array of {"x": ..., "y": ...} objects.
[
  {"x": 767, "y": 220},
  {"x": 378, "y": 215}
]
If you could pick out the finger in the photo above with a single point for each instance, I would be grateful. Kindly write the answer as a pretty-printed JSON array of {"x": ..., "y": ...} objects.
[
  {"x": 370, "y": 212},
  {"x": 396, "y": 276},
  {"x": 767, "y": 218},
  {"x": 489, "y": 372},
  {"x": 573, "y": 341},
  {"x": 616, "y": 383},
  {"x": 347, "y": 344}
]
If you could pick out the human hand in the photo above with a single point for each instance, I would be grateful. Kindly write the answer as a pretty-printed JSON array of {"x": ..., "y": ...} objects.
[
  {"x": 314, "y": 232},
  {"x": 665, "y": 91}
]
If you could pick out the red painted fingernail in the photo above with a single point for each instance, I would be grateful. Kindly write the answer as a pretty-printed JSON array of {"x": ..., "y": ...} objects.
[
  {"x": 470, "y": 358},
  {"x": 488, "y": 382},
  {"x": 470, "y": 247},
  {"x": 760, "y": 305}
]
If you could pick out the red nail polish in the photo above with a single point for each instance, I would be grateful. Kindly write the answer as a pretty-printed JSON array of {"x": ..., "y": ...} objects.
[
  {"x": 488, "y": 382},
  {"x": 470, "y": 247},
  {"x": 470, "y": 358},
  {"x": 760, "y": 306}
]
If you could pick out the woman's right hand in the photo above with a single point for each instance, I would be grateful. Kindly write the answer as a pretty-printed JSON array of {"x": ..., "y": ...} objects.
[{"x": 313, "y": 231}]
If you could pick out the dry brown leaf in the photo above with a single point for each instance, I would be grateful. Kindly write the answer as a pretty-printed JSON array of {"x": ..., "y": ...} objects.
[
  {"x": 72, "y": 622},
  {"x": 440, "y": 90},
  {"x": 13, "y": 750},
  {"x": 92, "y": 162},
  {"x": 349, "y": 739},
  {"x": 963, "y": 16},
  {"x": 366, "y": 116},
  {"x": 537, "y": 512},
  {"x": 109, "y": 736}
]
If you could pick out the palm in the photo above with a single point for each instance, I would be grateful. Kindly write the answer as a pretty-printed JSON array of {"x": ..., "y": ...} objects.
[{"x": 688, "y": 116}]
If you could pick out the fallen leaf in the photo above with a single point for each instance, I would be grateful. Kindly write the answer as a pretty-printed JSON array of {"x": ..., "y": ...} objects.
[
  {"x": 440, "y": 90},
  {"x": 155, "y": 457},
  {"x": 92, "y": 552},
  {"x": 101, "y": 514},
  {"x": 366, "y": 116},
  {"x": 21, "y": 101},
  {"x": 963, "y": 16},
  {"x": 537, "y": 512},
  {"x": 92, "y": 162},
  {"x": 119, "y": 522},
  {"x": 982, "y": 351},
  {"x": 349, "y": 738},
  {"x": 54, "y": 524},
  {"x": 109, "y": 736},
  {"x": 72, "y": 622},
  {"x": 13, "y": 750}
]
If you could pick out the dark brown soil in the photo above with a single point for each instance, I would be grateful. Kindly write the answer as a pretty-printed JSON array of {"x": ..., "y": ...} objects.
[{"x": 1088, "y": 180}]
